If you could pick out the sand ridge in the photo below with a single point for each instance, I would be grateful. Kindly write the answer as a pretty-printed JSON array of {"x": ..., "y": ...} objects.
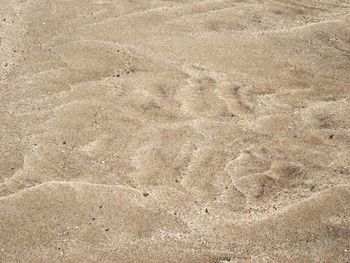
[{"x": 174, "y": 131}]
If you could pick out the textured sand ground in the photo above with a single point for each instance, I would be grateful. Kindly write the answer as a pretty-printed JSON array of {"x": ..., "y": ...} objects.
[{"x": 175, "y": 131}]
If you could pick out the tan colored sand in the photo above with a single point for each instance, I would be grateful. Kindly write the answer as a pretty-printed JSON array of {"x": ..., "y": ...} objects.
[{"x": 175, "y": 131}]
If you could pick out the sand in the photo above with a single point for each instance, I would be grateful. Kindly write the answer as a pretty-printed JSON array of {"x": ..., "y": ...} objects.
[{"x": 147, "y": 131}]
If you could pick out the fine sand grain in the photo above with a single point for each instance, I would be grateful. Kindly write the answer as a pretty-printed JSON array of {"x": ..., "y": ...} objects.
[{"x": 178, "y": 131}]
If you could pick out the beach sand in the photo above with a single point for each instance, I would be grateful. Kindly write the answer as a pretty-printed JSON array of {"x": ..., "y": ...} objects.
[{"x": 179, "y": 131}]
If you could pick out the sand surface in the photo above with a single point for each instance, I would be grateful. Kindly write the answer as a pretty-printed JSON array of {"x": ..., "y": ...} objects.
[{"x": 179, "y": 131}]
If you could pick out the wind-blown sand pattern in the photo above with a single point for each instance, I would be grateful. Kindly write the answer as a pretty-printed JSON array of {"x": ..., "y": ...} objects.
[{"x": 175, "y": 131}]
